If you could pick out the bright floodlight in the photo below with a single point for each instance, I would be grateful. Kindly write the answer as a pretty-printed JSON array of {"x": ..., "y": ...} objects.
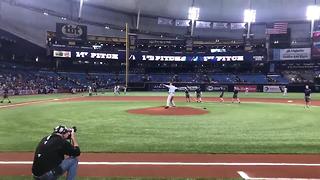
[
  {"x": 313, "y": 13},
  {"x": 194, "y": 13},
  {"x": 249, "y": 16}
]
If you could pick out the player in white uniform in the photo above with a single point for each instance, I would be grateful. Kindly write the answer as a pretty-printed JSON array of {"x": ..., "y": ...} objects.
[
  {"x": 285, "y": 91},
  {"x": 90, "y": 90},
  {"x": 246, "y": 91},
  {"x": 171, "y": 91}
]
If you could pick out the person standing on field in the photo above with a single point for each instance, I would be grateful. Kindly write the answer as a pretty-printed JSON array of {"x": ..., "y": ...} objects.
[
  {"x": 221, "y": 94},
  {"x": 171, "y": 92},
  {"x": 187, "y": 93},
  {"x": 307, "y": 96},
  {"x": 235, "y": 95}
]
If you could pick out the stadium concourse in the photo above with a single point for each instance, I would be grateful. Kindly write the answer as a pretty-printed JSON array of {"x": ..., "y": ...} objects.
[{"x": 56, "y": 52}]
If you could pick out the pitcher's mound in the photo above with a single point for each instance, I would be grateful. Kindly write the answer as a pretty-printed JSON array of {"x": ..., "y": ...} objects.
[{"x": 173, "y": 111}]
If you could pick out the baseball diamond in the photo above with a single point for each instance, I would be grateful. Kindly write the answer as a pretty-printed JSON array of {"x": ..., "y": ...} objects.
[
  {"x": 175, "y": 162},
  {"x": 151, "y": 89}
]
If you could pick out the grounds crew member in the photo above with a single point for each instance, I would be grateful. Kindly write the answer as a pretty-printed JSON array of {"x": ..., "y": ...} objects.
[{"x": 49, "y": 162}]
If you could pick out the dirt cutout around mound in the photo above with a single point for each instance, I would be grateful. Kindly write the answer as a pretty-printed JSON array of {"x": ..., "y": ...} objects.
[{"x": 172, "y": 111}]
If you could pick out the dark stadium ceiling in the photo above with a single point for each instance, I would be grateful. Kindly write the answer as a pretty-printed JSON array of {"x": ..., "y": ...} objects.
[{"x": 212, "y": 10}]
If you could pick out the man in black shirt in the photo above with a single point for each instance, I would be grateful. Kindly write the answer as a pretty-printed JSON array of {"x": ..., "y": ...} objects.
[
  {"x": 221, "y": 94},
  {"x": 186, "y": 91},
  {"x": 235, "y": 95},
  {"x": 49, "y": 162},
  {"x": 198, "y": 95},
  {"x": 307, "y": 96}
]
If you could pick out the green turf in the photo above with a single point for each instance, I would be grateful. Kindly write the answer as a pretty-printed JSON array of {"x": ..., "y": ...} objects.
[{"x": 107, "y": 127}]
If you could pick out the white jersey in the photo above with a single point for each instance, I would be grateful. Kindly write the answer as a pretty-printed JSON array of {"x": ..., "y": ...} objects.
[{"x": 172, "y": 89}]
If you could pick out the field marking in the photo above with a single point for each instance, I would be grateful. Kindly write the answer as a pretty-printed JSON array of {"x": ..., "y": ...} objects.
[
  {"x": 173, "y": 163},
  {"x": 246, "y": 177},
  {"x": 35, "y": 102}
]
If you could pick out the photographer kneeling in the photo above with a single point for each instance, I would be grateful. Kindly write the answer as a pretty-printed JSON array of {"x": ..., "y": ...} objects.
[{"x": 49, "y": 162}]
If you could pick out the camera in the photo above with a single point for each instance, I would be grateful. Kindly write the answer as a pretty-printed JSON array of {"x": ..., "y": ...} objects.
[{"x": 74, "y": 128}]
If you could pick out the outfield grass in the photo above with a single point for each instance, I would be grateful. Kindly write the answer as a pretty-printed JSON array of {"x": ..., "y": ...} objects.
[{"x": 107, "y": 127}]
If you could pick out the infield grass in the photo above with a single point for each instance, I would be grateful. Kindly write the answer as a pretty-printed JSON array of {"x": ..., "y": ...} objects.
[{"x": 107, "y": 127}]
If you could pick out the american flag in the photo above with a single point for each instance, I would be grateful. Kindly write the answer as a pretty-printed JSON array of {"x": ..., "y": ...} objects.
[{"x": 278, "y": 28}]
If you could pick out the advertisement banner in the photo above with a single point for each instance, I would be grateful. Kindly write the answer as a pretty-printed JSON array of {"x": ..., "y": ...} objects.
[
  {"x": 237, "y": 26},
  {"x": 181, "y": 87},
  {"x": 219, "y": 25},
  {"x": 159, "y": 42},
  {"x": 165, "y": 21},
  {"x": 215, "y": 88},
  {"x": 64, "y": 52},
  {"x": 203, "y": 24},
  {"x": 242, "y": 88},
  {"x": 183, "y": 23},
  {"x": 71, "y": 32},
  {"x": 292, "y": 54},
  {"x": 273, "y": 89}
]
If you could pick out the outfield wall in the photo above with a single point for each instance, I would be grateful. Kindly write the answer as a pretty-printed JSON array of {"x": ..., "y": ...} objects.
[{"x": 206, "y": 87}]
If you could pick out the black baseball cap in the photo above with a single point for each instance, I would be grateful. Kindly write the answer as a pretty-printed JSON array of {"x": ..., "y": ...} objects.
[{"x": 60, "y": 129}]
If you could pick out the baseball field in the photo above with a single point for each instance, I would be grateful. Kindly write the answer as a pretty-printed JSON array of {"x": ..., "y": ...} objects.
[{"x": 262, "y": 128}]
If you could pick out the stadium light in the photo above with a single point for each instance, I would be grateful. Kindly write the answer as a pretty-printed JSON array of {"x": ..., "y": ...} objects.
[
  {"x": 313, "y": 13},
  {"x": 194, "y": 13},
  {"x": 249, "y": 16}
]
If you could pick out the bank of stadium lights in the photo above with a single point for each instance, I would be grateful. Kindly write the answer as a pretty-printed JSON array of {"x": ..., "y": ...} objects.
[
  {"x": 193, "y": 13},
  {"x": 107, "y": 27},
  {"x": 313, "y": 13},
  {"x": 249, "y": 16}
]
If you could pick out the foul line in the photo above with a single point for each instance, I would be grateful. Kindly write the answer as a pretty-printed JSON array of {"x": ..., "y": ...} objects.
[
  {"x": 246, "y": 177},
  {"x": 173, "y": 163},
  {"x": 34, "y": 102}
]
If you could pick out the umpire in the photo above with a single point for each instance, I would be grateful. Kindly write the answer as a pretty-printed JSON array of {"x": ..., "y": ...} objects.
[{"x": 49, "y": 162}]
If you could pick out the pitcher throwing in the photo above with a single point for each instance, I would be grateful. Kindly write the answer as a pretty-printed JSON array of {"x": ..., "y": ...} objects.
[{"x": 171, "y": 91}]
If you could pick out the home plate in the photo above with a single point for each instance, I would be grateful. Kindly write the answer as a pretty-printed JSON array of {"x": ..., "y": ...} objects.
[
  {"x": 55, "y": 99},
  {"x": 290, "y": 101}
]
